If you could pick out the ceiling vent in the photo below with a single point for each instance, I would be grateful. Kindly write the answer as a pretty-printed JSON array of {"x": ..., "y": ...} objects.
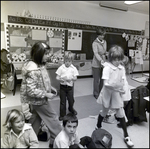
[{"x": 112, "y": 6}]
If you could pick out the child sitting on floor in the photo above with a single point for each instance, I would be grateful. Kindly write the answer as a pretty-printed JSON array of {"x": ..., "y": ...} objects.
[
  {"x": 68, "y": 137},
  {"x": 18, "y": 134}
]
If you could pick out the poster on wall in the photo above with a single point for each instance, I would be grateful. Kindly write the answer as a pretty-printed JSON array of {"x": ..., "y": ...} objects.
[
  {"x": 20, "y": 38},
  {"x": 17, "y": 41},
  {"x": 39, "y": 35},
  {"x": 55, "y": 42},
  {"x": 74, "y": 39}
]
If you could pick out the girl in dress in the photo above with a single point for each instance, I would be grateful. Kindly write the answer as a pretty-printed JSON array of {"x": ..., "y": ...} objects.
[{"x": 112, "y": 94}]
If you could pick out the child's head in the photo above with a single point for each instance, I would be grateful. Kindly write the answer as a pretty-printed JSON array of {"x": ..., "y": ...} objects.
[
  {"x": 40, "y": 53},
  {"x": 115, "y": 55},
  {"x": 14, "y": 120},
  {"x": 101, "y": 33},
  {"x": 70, "y": 123},
  {"x": 68, "y": 58}
]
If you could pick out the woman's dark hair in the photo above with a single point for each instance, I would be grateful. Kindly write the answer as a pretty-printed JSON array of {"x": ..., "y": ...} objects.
[
  {"x": 70, "y": 118},
  {"x": 37, "y": 52},
  {"x": 100, "y": 31}
]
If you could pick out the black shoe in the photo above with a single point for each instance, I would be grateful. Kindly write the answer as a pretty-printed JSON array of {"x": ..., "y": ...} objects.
[
  {"x": 50, "y": 145},
  {"x": 127, "y": 124},
  {"x": 61, "y": 118},
  {"x": 95, "y": 96},
  {"x": 99, "y": 121},
  {"x": 74, "y": 112}
]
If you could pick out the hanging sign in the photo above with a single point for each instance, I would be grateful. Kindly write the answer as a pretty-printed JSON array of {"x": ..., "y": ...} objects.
[{"x": 40, "y": 22}]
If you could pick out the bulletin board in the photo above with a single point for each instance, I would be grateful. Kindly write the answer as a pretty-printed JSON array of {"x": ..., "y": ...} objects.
[
  {"x": 74, "y": 39},
  {"x": 20, "y": 38},
  {"x": 60, "y": 40}
]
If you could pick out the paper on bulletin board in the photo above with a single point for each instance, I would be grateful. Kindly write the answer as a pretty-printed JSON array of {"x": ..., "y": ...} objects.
[
  {"x": 39, "y": 35},
  {"x": 74, "y": 39},
  {"x": 144, "y": 46},
  {"x": 131, "y": 52},
  {"x": 131, "y": 43},
  {"x": 55, "y": 42},
  {"x": 138, "y": 57},
  {"x": 17, "y": 41}
]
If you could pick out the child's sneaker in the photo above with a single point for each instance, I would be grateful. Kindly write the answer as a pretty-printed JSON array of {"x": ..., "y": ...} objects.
[{"x": 128, "y": 142}]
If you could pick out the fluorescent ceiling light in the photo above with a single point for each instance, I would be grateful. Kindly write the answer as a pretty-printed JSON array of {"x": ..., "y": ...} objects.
[{"x": 131, "y": 2}]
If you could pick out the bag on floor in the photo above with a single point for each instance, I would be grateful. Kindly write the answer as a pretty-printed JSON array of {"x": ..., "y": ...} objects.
[
  {"x": 87, "y": 142},
  {"x": 102, "y": 138},
  {"x": 9, "y": 80},
  {"x": 44, "y": 134},
  {"x": 136, "y": 108}
]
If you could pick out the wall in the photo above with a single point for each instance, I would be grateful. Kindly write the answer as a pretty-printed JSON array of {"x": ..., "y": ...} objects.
[
  {"x": 75, "y": 10},
  {"x": 79, "y": 10}
]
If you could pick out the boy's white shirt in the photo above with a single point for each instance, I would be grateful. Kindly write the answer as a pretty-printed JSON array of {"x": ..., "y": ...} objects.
[
  {"x": 62, "y": 140},
  {"x": 67, "y": 73}
]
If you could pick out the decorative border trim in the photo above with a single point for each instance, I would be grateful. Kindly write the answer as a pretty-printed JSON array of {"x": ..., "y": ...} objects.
[{"x": 7, "y": 25}]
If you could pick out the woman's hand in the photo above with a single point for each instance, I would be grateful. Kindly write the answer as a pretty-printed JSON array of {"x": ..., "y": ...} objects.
[{"x": 50, "y": 95}]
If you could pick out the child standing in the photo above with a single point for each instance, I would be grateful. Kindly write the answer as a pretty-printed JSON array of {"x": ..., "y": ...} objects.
[
  {"x": 36, "y": 90},
  {"x": 18, "y": 134},
  {"x": 112, "y": 94},
  {"x": 67, "y": 74},
  {"x": 68, "y": 136}
]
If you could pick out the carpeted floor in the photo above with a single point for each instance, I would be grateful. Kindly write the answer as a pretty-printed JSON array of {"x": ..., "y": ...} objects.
[
  {"x": 88, "y": 111},
  {"x": 84, "y": 105},
  {"x": 139, "y": 133}
]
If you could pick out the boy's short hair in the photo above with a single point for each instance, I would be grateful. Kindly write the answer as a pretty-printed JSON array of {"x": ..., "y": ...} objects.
[
  {"x": 101, "y": 31},
  {"x": 70, "y": 118},
  {"x": 68, "y": 56},
  {"x": 12, "y": 115}
]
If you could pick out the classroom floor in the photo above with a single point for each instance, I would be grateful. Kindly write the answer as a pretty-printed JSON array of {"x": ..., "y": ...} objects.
[
  {"x": 88, "y": 109},
  {"x": 139, "y": 133}
]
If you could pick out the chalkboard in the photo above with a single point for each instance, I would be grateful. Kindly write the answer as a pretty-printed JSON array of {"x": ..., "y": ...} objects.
[
  {"x": 87, "y": 40},
  {"x": 112, "y": 39},
  {"x": 116, "y": 39}
]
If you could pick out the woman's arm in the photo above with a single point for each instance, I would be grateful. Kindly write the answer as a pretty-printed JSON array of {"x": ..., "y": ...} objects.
[{"x": 97, "y": 55}]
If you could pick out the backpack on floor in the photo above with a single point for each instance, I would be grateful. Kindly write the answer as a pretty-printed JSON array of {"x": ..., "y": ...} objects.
[
  {"x": 136, "y": 108},
  {"x": 44, "y": 134},
  {"x": 102, "y": 138}
]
